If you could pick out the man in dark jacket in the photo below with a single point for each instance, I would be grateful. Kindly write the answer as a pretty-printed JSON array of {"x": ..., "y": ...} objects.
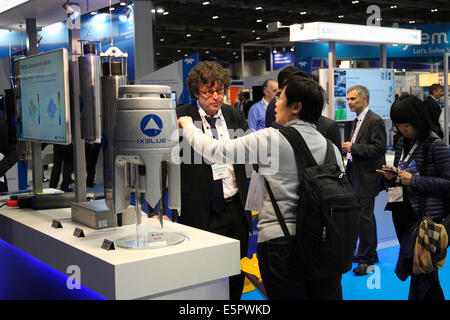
[
  {"x": 434, "y": 108},
  {"x": 215, "y": 202},
  {"x": 326, "y": 126},
  {"x": 365, "y": 153}
]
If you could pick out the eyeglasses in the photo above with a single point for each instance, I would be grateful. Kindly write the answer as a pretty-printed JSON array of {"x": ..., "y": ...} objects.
[{"x": 210, "y": 92}]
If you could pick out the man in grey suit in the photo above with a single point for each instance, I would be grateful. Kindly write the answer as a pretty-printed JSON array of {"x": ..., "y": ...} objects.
[{"x": 365, "y": 153}]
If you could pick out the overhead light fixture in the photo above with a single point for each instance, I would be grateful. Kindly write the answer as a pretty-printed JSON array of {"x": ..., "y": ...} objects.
[
  {"x": 215, "y": 17},
  {"x": 207, "y": 51},
  {"x": 93, "y": 13},
  {"x": 162, "y": 39},
  {"x": 340, "y": 16},
  {"x": 434, "y": 10},
  {"x": 303, "y": 12},
  {"x": 123, "y": 4},
  {"x": 223, "y": 37},
  {"x": 258, "y": 8},
  {"x": 188, "y": 35},
  {"x": 394, "y": 7},
  {"x": 178, "y": 50},
  {"x": 160, "y": 10},
  {"x": 228, "y": 42},
  {"x": 205, "y": 3},
  {"x": 355, "y": 2},
  {"x": 258, "y": 38},
  {"x": 411, "y": 21},
  {"x": 259, "y": 20},
  {"x": 165, "y": 13},
  {"x": 9, "y": 4}
]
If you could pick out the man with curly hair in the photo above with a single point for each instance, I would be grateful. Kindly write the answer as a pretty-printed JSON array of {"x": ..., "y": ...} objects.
[{"x": 215, "y": 202}]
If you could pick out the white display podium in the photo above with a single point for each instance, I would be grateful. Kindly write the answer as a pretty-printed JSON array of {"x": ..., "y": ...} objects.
[{"x": 197, "y": 268}]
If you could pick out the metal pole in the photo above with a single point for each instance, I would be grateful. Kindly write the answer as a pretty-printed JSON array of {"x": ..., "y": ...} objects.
[
  {"x": 331, "y": 66},
  {"x": 242, "y": 60},
  {"x": 79, "y": 156},
  {"x": 36, "y": 157},
  {"x": 383, "y": 56},
  {"x": 446, "y": 139}
]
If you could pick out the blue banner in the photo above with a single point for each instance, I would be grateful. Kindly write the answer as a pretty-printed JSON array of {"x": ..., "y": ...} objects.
[
  {"x": 304, "y": 64},
  {"x": 188, "y": 63}
]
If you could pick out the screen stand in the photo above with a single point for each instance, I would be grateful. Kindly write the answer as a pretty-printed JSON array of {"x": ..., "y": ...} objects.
[{"x": 36, "y": 161}]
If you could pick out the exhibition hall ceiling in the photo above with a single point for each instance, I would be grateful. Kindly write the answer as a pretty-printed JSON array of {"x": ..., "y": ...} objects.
[{"x": 220, "y": 26}]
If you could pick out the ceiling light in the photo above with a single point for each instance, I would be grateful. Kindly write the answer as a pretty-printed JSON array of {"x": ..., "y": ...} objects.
[
  {"x": 411, "y": 21},
  {"x": 160, "y": 10},
  {"x": 228, "y": 42},
  {"x": 393, "y": 7},
  {"x": 93, "y": 13},
  {"x": 258, "y": 38},
  {"x": 234, "y": 53},
  {"x": 207, "y": 51},
  {"x": 162, "y": 40},
  {"x": 178, "y": 50},
  {"x": 153, "y": 10},
  {"x": 292, "y": 49},
  {"x": 274, "y": 51},
  {"x": 340, "y": 16},
  {"x": 9, "y": 4},
  {"x": 355, "y": 2},
  {"x": 165, "y": 13},
  {"x": 223, "y": 37},
  {"x": 205, "y": 3},
  {"x": 258, "y": 8},
  {"x": 188, "y": 35},
  {"x": 123, "y": 4},
  {"x": 259, "y": 20},
  {"x": 157, "y": 53},
  {"x": 303, "y": 12},
  {"x": 434, "y": 10},
  {"x": 215, "y": 17}
]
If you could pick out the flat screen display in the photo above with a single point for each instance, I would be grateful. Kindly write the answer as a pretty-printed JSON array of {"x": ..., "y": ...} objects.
[
  {"x": 380, "y": 83},
  {"x": 43, "y": 107}
]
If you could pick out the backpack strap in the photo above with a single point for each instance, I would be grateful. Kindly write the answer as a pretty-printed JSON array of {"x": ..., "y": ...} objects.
[{"x": 301, "y": 150}]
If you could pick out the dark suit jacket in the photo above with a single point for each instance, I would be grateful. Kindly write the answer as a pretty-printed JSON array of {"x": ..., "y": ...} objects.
[
  {"x": 329, "y": 129},
  {"x": 368, "y": 154},
  {"x": 434, "y": 110},
  {"x": 197, "y": 180}
]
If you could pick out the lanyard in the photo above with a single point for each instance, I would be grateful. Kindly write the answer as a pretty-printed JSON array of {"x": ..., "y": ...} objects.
[{"x": 402, "y": 159}]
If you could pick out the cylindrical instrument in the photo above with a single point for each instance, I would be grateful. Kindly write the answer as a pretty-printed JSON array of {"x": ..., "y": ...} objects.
[{"x": 90, "y": 94}]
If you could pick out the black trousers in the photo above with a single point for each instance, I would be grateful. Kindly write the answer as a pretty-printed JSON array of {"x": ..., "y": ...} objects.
[
  {"x": 231, "y": 223},
  {"x": 62, "y": 154},
  {"x": 92, "y": 150},
  {"x": 283, "y": 281},
  {"x": 367, "y": 248}
]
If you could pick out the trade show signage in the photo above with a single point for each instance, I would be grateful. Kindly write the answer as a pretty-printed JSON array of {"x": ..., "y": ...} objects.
[{"x": 435, "y": 42}]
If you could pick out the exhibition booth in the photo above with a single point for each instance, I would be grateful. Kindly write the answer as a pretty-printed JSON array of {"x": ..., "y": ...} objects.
[{"x": 81, "y": 85}]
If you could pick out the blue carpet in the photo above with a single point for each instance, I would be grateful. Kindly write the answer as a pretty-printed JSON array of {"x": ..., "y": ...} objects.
[{"x": 382, "y": 284}]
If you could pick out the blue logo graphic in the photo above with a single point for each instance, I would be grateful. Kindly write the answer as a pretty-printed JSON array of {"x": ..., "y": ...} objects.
[{"x": 151, "y": 125}]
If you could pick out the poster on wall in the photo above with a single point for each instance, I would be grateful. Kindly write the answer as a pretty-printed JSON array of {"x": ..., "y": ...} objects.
[{"x": 380, "y": 83}]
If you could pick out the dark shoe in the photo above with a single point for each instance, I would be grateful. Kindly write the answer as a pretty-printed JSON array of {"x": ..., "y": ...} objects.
[{"x": 363, "y": 269}]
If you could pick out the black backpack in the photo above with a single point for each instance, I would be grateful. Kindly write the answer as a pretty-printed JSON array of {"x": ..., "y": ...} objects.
[{"x": 327, "y": 215}]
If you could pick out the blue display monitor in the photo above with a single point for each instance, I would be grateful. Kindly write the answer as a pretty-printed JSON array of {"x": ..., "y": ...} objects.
[
  {"x": 380, "y": 83},
  {"x": 43, "y": 107}
]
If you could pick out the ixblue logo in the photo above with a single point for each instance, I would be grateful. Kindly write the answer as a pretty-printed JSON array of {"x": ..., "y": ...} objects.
[{"x": 151, "y": 125}]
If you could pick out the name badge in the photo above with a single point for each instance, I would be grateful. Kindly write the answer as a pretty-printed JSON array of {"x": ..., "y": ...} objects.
[
  {"x": 220, "y": 171},
  {"x": 395, "y": 194}
]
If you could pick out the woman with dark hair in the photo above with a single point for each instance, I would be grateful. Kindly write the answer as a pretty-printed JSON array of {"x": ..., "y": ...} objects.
[
  {"x": 300, "y": 106},
  {"x": 416, "y": 178}
]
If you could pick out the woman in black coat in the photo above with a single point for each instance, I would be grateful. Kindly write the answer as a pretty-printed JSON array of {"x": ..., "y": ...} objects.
[{"x": 416, "y": 179}]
